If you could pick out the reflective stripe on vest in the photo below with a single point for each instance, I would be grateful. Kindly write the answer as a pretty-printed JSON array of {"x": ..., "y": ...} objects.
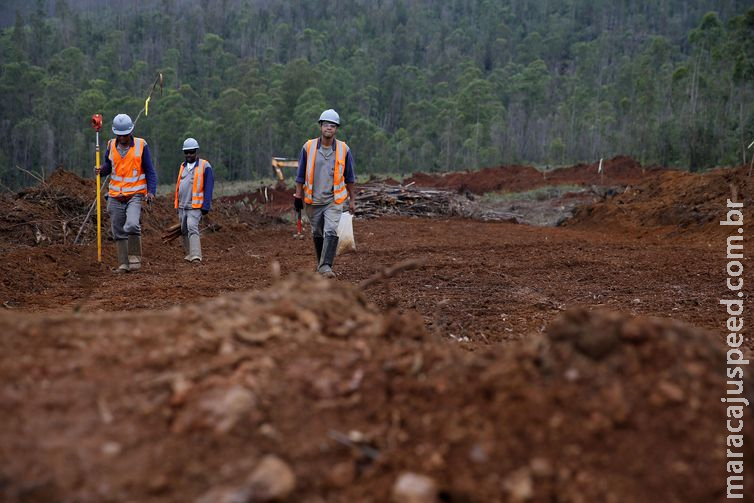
[
  {"x": 340, "y": 193},
  {"x": 127, "y": 177},
  {"x": 197, "y": 191}
]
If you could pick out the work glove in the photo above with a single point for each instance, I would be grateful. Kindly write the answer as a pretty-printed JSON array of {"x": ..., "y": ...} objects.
[
  {"x": 97, "y": 169},
  {"x": 204, "y": 212},
  {"x": 298, "y": 203},
  {"x": 149, "y": 198}
]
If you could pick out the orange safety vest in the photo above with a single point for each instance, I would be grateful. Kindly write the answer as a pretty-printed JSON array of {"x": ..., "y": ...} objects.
[
  {"x": 197, "y": 193},
  {"x": 127, "y": 177},
  {"x": 339, "y": 183}
]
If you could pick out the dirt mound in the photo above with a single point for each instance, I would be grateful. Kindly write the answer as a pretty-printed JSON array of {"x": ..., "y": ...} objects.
[
  {"x": 680, "y": 202},
  {"x": 52, "y": 212},
  {"x": 184, "y": 405},
  {"x": 620, "y": 170},
  {"x": 373, "y": 179},
  {"x": 63, "y": 184},
  {"x": 501, "y": 178}
]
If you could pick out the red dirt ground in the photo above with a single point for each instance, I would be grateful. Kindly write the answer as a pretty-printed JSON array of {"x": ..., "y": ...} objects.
[
  {"x": 617, "y": 171},
  {"x": 501, "y": 367},
  {"x": 682, "y": 202}
]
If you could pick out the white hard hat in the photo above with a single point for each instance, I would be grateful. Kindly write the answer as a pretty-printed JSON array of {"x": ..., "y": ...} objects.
[
  {"x": 122, "y": 125},
  {"x": 330, "y": 115},
  {"x": 190, "y": 144}
]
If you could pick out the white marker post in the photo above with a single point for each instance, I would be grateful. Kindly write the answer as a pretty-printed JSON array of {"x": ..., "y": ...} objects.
[{"x": 599, "y": 170}]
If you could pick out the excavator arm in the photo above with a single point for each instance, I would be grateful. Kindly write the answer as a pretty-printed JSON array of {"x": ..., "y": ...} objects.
[{"x": 278, "y": 163}]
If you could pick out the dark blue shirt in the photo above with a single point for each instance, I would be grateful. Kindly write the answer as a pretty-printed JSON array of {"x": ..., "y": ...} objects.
[
  {"x": 349, "y": 175},
  {"x": 209, "y": 184},
  {"x": 146, "y": 166}
]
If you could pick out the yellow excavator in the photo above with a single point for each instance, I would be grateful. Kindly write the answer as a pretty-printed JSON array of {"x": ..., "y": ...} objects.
[{"x": 278, "y": 163}]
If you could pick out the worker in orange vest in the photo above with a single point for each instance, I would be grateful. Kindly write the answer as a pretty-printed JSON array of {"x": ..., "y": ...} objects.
[
  {"x": 133, "y": 179},
  {"x": 324, "y": 181},
  {"x": 193, "y": 197}
]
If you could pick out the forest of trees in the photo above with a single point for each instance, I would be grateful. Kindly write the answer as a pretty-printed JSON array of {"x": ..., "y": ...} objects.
[{"x": 421, "y": 85}]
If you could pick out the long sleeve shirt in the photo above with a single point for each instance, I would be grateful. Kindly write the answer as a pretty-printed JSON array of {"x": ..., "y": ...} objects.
[
  {"x": 146, "y": 166},
  {"x": 209, "y": 185}
]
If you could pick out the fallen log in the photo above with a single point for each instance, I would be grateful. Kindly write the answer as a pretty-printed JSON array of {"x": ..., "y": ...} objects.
[
  {"x": 171, "y": 233},
  {"x": 174, "y": 231}
]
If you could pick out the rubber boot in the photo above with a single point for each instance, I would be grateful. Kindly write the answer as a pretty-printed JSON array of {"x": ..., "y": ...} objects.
[
  {"x": 121, "y": 248},
  {"x": 318, "y": 242},
  {"x": 185, "y": 241},
  {"x": 195, "y": 248},
  {"x": 328, "y": 257},
  {"x": 134, "y": 252}
]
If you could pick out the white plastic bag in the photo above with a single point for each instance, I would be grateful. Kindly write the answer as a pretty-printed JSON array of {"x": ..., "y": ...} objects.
[{"x": 346, "y": 242}]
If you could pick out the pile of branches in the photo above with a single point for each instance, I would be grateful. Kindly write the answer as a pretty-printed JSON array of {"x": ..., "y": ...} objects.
[
  {"x": 49, "y": 212},
  {"x": 68, "y": 206},
  {"x": 379, "y": 199}
]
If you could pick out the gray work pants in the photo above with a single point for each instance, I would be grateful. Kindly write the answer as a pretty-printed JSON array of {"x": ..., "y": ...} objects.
[
  {"x": 324, "y": 219},
  {"x": 189, "y": 219},
  {"x": 125, "y": 216}
]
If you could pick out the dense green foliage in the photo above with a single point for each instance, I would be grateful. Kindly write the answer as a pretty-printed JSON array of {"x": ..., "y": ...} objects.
[{"x": 420, "y": 84}]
